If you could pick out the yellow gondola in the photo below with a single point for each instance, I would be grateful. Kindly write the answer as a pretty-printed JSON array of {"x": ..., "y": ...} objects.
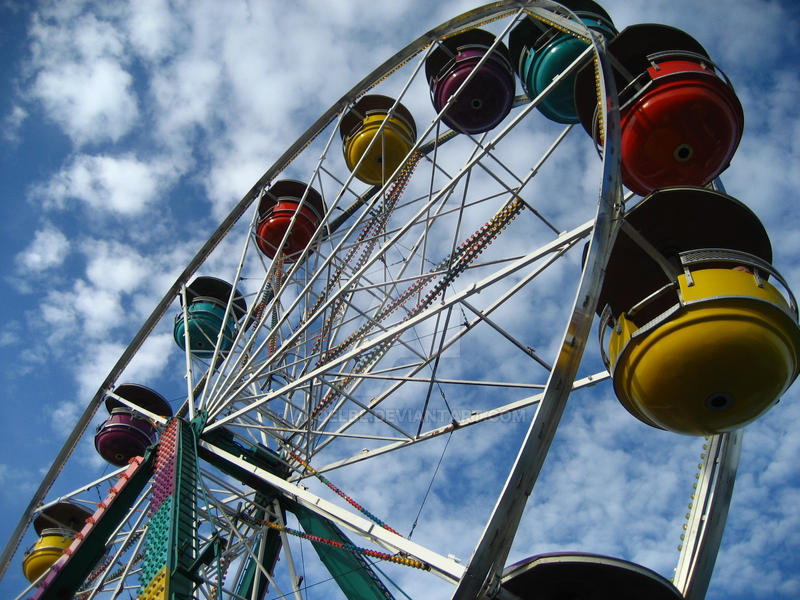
[
  {"x": 359, "y": 127},
  {"x": 56, "y": 527},
  {"x": 705, "y": 343}
]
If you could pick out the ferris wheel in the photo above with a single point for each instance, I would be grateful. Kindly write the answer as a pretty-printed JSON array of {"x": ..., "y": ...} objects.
[{"x": 390, "y": 283}]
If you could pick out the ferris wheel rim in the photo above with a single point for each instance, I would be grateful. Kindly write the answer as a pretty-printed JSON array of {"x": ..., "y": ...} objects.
[
  {"x": 227, "y": 224},
  {"x": 464, "y": 21}
]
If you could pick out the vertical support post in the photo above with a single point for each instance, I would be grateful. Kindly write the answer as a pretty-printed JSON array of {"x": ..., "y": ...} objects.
[
  {"x": 254, "y": 583},
  {"x": 709, "y": 511},
  {"x": 170, "y": 545},
  {"x": 188, "y": 351}
]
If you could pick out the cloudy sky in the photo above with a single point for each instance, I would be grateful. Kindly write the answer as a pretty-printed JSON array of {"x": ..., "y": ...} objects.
[{"x": 130, "y": 129}]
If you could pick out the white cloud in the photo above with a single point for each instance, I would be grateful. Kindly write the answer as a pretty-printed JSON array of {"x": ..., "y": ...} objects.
[
  {"x": 48, "y": 249},
  {"x": 227, "y": 179},
  {"x": 152, "y": 358},
  {"x": 77, "y": 33},
  {"x": 100, "y": 357},
  {"x": 122, "y": 185},
  {"x": 92, "y": 103},
  {"x": 95, "y": 365},
  {"x": 118, "y": 288},
  {"x": 9, "y": 337},
  {"x": 153, "y": 28},
  {"x": 57, "y": 312},
  {"x": 113, "y": 266},
  {"x": 12, "y": 122},
  {"x": 80, "y": 78},
  {"x": 64, "y": 415},
  {"x": 15, "y": 480},
  {"x": 82, "y": 313},
  {"x": 99, "y": 310},
  {"x": 186, "y": 91}
]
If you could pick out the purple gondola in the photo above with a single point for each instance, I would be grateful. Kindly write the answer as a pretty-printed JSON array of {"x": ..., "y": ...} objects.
[{"x": 127, "y": 433}]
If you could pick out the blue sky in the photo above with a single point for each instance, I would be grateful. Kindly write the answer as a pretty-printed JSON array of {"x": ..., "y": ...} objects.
[{"x": 131, "y": 129}]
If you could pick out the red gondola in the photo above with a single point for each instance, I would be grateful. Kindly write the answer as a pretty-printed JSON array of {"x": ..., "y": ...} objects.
[
  {"x": 277, "y": 208},
  {"x": 680, "y": 119}
]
